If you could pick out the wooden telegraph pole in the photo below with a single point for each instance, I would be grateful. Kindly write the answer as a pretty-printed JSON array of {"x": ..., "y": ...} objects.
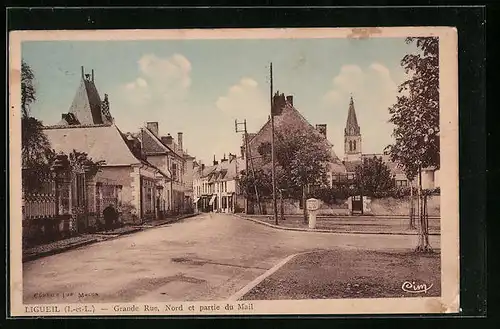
[
  {"x": 275, "y": 208},
  {"x": 247, "y": 159}
]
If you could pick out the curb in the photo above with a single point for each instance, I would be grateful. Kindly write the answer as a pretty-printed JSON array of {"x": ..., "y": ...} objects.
[
  {"x": 58, "y": 250},
  {"x": 358, "y": 215},
  {"x": 246, "y": 289},
  {"x": 325, "y": 230},
  {"x": 168, "y": 222},
  {"x": 112, "y": 235}
]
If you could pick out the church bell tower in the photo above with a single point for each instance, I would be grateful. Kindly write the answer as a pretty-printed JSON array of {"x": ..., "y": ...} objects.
[{"x": 352, "y": 136}]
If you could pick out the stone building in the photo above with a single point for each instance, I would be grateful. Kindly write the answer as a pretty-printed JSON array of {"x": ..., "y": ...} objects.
[
  {"x": 168, "y": 155},
  {"x": 89, "y": 127},
  {"x": 289, "y": 118},
  {"x": 216, "y": 187}
]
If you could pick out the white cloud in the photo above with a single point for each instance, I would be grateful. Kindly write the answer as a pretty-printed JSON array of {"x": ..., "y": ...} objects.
[
  {"x": 244, "y": 100},
  {"x": 374, "y": 90},
  {"x": 160, "y": 88}
]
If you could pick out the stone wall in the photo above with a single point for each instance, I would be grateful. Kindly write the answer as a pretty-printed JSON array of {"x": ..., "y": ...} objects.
[
  {"x": 292, "y": 207},
  {"x": 401, "y": 207},
  {"x": 376, "y": 207}
]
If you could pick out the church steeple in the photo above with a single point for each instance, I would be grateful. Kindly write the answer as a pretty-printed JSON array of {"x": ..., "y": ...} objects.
[
  {"x": 351, "y": 126},
  {"x": 352, "y": 136}
]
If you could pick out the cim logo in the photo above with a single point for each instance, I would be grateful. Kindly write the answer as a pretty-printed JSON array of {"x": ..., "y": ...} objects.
[{"x": 415, "y": 288}]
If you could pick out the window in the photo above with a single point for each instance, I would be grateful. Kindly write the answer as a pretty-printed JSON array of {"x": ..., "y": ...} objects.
[
  {"x": 264, "y": 149},
  {"x": 350, "y": 145},
  {"x": 354, "y": 145},
  {"x": 174, "y": 171},
  {"x": 401, "y": 183}
]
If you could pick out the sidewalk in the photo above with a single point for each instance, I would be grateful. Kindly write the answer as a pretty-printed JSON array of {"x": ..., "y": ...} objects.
[
  {"x": 57, "y": 247},
  {"x": 347, "y": 225},
  {"x": 165, "y": 221},
  {"x": 86, "y": 239}
]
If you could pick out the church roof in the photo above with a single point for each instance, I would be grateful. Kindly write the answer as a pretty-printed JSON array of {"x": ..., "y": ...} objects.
[
  {"x": 87, "y": 106},
  {"x": 351, "y": 126}
]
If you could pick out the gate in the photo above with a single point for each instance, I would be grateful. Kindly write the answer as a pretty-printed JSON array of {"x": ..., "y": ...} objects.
[
  {"x": 106, "y": 193},
  {"x": 357, "y": 204}
]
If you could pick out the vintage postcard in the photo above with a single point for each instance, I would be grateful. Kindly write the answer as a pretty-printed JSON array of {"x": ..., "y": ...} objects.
[{"x": 234, "y": 171}]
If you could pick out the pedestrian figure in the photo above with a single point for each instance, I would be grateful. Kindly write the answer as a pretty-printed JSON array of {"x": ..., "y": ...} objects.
[{"x": 110, "y": 216}]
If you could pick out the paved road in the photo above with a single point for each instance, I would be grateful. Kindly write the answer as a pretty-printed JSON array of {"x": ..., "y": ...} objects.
[{"x": 207, "y": 257}]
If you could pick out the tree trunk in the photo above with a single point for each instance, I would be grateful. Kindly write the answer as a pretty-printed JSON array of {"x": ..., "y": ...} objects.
[
  {"x": 304, "y": 203},
  {"x": 412, "y": 208},
  {"x": 423, "y": 234},
  {"x": 282, "y": 208}
]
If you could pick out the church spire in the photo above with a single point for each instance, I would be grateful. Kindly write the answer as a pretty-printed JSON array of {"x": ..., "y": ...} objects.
[{"x": 352, "y": 127}]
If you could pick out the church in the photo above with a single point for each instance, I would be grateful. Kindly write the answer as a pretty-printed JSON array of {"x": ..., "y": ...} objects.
[{"x": 353, "y": 155}]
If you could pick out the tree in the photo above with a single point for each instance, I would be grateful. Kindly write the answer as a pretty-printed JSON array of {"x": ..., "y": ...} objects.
[
  {"x": 374, "y": 176},
  {"x": 28, "y": 92},
  {"x": 416, "y": 118},
  {"x": 35, "y": 147},
  {"x": 262, "y": 181},
  {"x": 303, "y": 157}
]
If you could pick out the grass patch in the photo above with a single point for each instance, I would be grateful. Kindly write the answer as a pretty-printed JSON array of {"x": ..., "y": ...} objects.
[{"x": 351, "y": 274}]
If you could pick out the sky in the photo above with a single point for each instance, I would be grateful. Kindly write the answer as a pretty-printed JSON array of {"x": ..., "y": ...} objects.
[{"x": 199, "y": 87}]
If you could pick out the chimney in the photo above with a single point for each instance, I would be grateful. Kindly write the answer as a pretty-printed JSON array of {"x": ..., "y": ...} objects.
[
  {"x": 279, "y": 102},
  {"x": 92, "y": 75},
  {"x": 179, "y": 140},
  {"x": 242, "y": 150},
  {"x": 224, "y": 159},
  {"x": 83, "y": 73},
  {"x": 289, "y": 99},
  {"x": 202, "y": 166},
  {"x": 167, "y": 140},
  {"x": 215, "y": 162},
  {"x": 153, "y": 127},
  {"x": 322, "y": 129}
]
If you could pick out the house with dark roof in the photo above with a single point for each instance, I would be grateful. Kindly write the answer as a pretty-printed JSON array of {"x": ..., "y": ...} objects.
[
  {"x": 289, "y": 118},
  {"x": 167, "y": 154},
  {"x": 216, "y": 188},
  {"x": 89, "y": 127}
]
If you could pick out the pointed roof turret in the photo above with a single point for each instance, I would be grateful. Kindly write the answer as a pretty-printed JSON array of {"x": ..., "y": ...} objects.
[
  {"x": 87, "y": 106},
  {"x": 352, "y": 127}
]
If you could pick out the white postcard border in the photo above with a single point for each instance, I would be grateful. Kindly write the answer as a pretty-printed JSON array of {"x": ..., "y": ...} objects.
[{"x": 447, "y": 303}]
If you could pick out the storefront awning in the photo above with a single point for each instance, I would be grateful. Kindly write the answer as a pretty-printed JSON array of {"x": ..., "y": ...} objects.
[
  {"x": 212, "y": 199},
  {"x": 196, "y": 200}
]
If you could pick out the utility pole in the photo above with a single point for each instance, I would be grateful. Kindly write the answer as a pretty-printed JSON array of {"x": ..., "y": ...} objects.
[
  {"x": 247, "y": 159},
  {"x": 275, "y": 208}
]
